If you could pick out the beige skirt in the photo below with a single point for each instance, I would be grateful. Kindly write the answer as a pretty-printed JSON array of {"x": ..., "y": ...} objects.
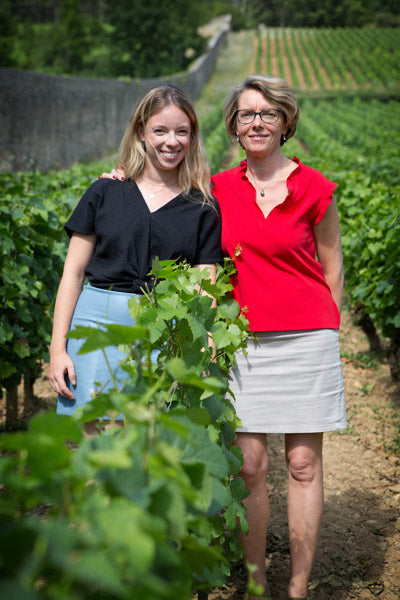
[{"x": 290, "y": 382}]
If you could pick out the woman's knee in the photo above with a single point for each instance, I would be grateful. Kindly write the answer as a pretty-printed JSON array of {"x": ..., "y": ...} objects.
[
  {"x": 304, "y": 466},
  {"x": 255, "y": 465}
]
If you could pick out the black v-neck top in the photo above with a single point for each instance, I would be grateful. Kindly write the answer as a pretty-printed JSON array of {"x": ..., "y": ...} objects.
[{"x": 129, "y": 236}]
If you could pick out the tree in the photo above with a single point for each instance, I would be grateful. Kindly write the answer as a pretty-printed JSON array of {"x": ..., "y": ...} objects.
[
  {"x": 72, "y": 41},
  {"x": 152, "y": 39},
  {"x": 7, "y": 34},
  {"x": 314, "y": 13}
]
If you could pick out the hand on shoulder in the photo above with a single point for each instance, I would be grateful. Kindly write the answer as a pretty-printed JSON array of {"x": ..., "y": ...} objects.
[{"x": 118, "y": 173}]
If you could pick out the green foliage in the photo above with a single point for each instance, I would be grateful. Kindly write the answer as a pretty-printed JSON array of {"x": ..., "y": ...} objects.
[
  {"x": 33, "y": 247},
  {"x": 153, "y": 39},
  {"x": 394, "y": 446},
  {"x": 216, "y": 138},
  {"x": 336, "y": 136},
  {"x": 60, "y": 47},
  {"x": 243, "y": 12},
  {"x": 361, "y": 360},
  {"x": 72, "y": 40},
  {"x": 124, "y": 38},
  {"x": 367, "y": 170},
  {"x": 146, "y": 511},
  {"x": 8, "y": 30},
  {"x": 330, "y": 13},
  {"x": 370, "y": 216},
  {"x": 31, "y": 259},
  {"x": 341, "y": 58}
]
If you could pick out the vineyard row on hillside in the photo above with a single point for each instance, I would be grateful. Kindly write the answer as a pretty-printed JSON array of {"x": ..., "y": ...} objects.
[
  {"x": 331, "y": 59},
  {"x": 352, "y": 143}
]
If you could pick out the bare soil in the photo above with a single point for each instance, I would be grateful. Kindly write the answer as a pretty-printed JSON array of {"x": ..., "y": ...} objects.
[
  {"x": 274, "y": 59},
  {"x": 359, "y": 550}
]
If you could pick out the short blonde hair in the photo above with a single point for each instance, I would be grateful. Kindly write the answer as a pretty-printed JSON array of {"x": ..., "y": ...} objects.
[
  {"x": 274, "y": 90},
  {"x": 193, "y": 171}
]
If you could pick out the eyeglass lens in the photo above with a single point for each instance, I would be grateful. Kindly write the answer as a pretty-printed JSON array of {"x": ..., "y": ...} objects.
[{"x": 268, "y": 116}]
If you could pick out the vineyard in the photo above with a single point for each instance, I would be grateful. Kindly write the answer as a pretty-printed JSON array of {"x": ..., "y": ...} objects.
[
  {"x": 349, "y": 59},
  {"x": 179, "y": 489}
]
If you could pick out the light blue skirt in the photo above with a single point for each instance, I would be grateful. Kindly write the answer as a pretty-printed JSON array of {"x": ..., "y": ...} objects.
[
  {"x": 95, "y": 308},
  {"x": 290, "y": 382}
]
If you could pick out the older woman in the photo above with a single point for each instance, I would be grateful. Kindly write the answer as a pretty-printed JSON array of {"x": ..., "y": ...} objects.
[{"x": 289, "y": 280}]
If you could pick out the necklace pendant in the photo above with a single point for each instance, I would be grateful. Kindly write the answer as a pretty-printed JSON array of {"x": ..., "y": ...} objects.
[{"x": 262, "y": 193}]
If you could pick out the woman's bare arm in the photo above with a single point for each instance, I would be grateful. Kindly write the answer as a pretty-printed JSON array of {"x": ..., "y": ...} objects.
[
  {"x": 79, "y": 253},
  {"x": 329, "y": 251}
]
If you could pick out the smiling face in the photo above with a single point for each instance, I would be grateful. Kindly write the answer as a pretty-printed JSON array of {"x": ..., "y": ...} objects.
[
  {"x": 259, "y": 139},
  {"x": 166, "y": 137}
]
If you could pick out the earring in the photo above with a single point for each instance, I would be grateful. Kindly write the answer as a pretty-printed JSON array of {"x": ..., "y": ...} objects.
[
  {"x": 237, "y": 138},
  {"x": 283, "y": 138}
]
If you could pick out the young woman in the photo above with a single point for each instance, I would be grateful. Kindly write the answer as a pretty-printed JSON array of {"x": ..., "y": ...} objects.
[{"x": 163, "y": 208}]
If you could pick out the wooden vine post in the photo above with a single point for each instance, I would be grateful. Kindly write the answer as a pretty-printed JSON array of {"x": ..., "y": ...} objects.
[
  {"x": 28, "y": 396},
  {"x": 12, "y": 408}
]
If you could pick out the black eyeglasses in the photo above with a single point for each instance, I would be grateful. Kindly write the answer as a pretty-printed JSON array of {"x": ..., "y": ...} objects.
[{"x": 246, "y": 117}]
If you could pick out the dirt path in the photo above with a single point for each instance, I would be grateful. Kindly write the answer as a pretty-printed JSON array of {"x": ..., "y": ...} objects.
[
  {"x": 359, "y": 551},
  {"x": 297, "y": 66},
  {"x": 324, "y": 73},
  {"x": 274, "y": 56},
  {"x": 254, "y": 44},
  {"x": 287, "y": 74}
]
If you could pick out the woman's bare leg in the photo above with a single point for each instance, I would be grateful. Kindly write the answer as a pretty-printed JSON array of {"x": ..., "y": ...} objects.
[
  {"x": 305, "y": 506},
  {"x": 254, "y": 474}
]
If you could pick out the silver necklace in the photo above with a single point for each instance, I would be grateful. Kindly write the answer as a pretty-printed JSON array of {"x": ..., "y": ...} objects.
[
  {"x": 252, "y": 178},
  {"x": 261, "y": 189},
  {"x": 158, "y": 185}
]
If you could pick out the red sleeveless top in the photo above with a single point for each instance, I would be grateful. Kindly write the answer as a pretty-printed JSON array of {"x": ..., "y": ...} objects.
[{"x": 279, "y": 281}]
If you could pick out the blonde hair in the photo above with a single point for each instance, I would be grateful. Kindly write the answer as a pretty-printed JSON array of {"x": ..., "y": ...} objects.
[
  {"x": 193, "y": 171},
  {"x": 274, "y": 90}
]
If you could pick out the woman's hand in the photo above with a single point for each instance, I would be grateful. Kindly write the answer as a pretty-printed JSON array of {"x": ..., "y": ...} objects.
[
  {"x": 79, "y": 253},
  {"x": 61, "y": 365},
  {"x": 118, "y": 173}
]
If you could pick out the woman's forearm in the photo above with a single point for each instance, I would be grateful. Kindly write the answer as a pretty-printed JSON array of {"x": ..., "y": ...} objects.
[
  {"x": 79, "y": 253},
  {"x": 67, "y": 297},
  {"x": 335, "y": 283},
  {"x": 329, "y": 251}
]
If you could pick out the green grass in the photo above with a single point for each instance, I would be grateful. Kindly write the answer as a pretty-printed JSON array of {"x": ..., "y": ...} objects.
[{"x": 231, "y": 67}]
